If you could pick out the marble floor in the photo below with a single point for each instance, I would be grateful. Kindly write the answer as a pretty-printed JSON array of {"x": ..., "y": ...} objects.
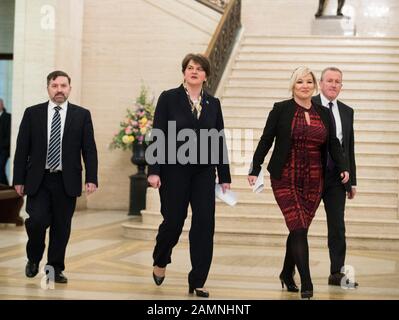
[{"x": 102, "y": 264}]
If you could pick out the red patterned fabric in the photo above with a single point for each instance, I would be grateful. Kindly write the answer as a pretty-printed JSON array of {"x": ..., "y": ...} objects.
[{"x": 298, "y": 192}]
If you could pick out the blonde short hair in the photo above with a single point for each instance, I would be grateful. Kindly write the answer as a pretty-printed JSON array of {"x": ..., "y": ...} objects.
[{"x": 301, "y": 72}]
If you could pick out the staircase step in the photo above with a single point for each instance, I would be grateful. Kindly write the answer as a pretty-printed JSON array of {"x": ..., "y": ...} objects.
[
  {"x": 363, "y": 84},
  {"x": 263, "y": 112},
  {"x": 369, "y": 124},
  {"x": 324, "y": 41},
  {"x": 270, "y": 207},
  {"x": 244, "y": 141},
  {"x": 363, "y": 195},
  {"x": 310, "y": 57},
  {"x": 366, "y": 182},
  {"x": 319, "y": 50},
  {"x": 264, "y": 92},
  {"x": 360, "y": 134},
  {"x": 316, "y": 65},
  {"x": 137, "y": 230},
  {"x": 284, "y": 73},
  {"x": 266, "y": 222},
  {"x": 239, "y": 99}
]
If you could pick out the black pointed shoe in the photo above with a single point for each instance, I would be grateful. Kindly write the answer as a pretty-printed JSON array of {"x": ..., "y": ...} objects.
[
  {"x": 158, "y": 280},
  {"x": 288, "y": 282},
  {"x": 306, "y": 291},
  {"x": 31, "y": 269},
  {"x": 199, "y": 292}
]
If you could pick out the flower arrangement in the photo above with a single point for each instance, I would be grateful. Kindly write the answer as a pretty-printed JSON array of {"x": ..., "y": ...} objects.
[{"x": 137, "y": 124}]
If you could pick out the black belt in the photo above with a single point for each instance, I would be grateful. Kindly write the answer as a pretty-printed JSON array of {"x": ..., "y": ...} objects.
[{"x": 52, "y": 171}]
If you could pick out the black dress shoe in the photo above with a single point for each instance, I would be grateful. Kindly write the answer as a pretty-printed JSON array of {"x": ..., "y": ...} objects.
[
  {"x": 199, "y": 292},
  {"x": 289, "y": 283},
  {"x": 60, "y": 278},
  {"x": 31, "y": 269},
  {"x": 336, "y": 279},
  {"x": 158, "y": 280}
]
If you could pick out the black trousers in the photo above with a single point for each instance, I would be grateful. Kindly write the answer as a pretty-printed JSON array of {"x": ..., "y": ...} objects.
[
  {"x": 334, "y": 198},
  {"x": 181, "y": 186},
  {"x": 3, "y": 162},
  {"x": 49, "y": 207}
]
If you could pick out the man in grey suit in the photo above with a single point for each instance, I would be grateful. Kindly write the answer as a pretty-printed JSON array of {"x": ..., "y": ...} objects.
[{"x": 334, "y": 191}]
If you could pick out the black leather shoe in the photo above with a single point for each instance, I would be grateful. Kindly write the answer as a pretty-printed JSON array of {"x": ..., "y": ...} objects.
[
  {"x": 289, "y": 283},
  {"x": 31, "y": 269},
  {"x": 158, "y": 280},
  {"x": 199, "y": 292},
  {"x": 336, "y": 278},
  {"x": 60, "y": 278}
]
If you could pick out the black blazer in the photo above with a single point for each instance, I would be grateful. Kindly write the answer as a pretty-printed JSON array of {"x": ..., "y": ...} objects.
[
  {"x": 5, "y": 133},
  {"x": 278, "y": 127},
  {"x": 348, "y": 141},
  {"x": 31, "y": 150},
  {"x": 173, "y": 105}
]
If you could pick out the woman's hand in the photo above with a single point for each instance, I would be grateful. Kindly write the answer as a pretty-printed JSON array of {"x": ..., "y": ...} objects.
[
  {"x": 225, "y": 186},
  {"x": 345, "y": 177},
  {"x": 352, "y": 193},
  {"x": 154, "y": 181},
  {"x": 252, "y": 180}
]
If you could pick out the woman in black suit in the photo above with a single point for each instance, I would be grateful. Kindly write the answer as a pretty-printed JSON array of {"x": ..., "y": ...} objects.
[
  {"x": 304, "y": 137},
  {"x": 183, "y": 182}
]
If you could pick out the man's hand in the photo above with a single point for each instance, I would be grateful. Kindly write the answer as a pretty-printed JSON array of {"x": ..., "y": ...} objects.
[
  {"x": 154, "y": 181},
  {"x": 252, "y": 180},
  {"x": 90, "y": 188},
  {"x": 19, "y": 188}
]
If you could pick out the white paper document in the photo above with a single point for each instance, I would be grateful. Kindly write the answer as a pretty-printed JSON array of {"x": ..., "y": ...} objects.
[
  {"x": 229, "y": 196},
  {"x": 259, "y": 183}
]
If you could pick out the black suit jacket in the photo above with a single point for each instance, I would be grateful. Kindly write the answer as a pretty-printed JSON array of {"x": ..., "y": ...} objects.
[
  {"x": 77, "y": 140},
  {"x": 278, "y": 127},
  {"x": 5, "y": 133},
  {"x": 173, "y": 105},
  {"x": 348, "y": 141}
]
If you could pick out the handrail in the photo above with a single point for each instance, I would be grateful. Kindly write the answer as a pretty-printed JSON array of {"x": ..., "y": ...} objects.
[
  {"x": 217, "y": 5},
  {"x": 222, "y": 42}
]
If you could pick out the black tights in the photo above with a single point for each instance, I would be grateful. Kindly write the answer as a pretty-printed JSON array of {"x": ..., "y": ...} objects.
[{"x": 297, "y": 253}]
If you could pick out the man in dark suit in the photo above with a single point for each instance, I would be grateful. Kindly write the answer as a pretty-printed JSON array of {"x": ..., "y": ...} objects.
[
  {"x": 5, "y": 135},
  {"x": 47, "y": 168},
  {"x": 334, "y": 192}
]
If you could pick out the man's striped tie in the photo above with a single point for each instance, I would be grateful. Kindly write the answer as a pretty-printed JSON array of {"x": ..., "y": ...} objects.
[{"x": 54, "y": 149}]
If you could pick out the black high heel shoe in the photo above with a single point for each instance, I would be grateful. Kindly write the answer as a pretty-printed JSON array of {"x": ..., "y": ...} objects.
[
  {"x": 307, "y": 291},
  {"x": 199, "y": 292},
  {"x": 289, "y": 283},
  {"x": 158, "y": 280}
]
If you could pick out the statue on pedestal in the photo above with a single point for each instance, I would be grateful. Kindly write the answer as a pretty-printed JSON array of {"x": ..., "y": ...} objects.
[{"x": 319, "y": 12}]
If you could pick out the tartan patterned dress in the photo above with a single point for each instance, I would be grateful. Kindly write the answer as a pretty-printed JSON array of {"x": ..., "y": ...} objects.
[{"x": 298, "y": 192}]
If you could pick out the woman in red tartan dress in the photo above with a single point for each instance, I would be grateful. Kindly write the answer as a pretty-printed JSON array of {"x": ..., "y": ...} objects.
[{"x": 303, "y": 135}]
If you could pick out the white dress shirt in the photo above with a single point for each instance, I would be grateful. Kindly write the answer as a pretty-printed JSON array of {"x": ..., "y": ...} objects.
[
  {"x": 337, "y": 117},
  {"x": 50, "y": 114}
]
